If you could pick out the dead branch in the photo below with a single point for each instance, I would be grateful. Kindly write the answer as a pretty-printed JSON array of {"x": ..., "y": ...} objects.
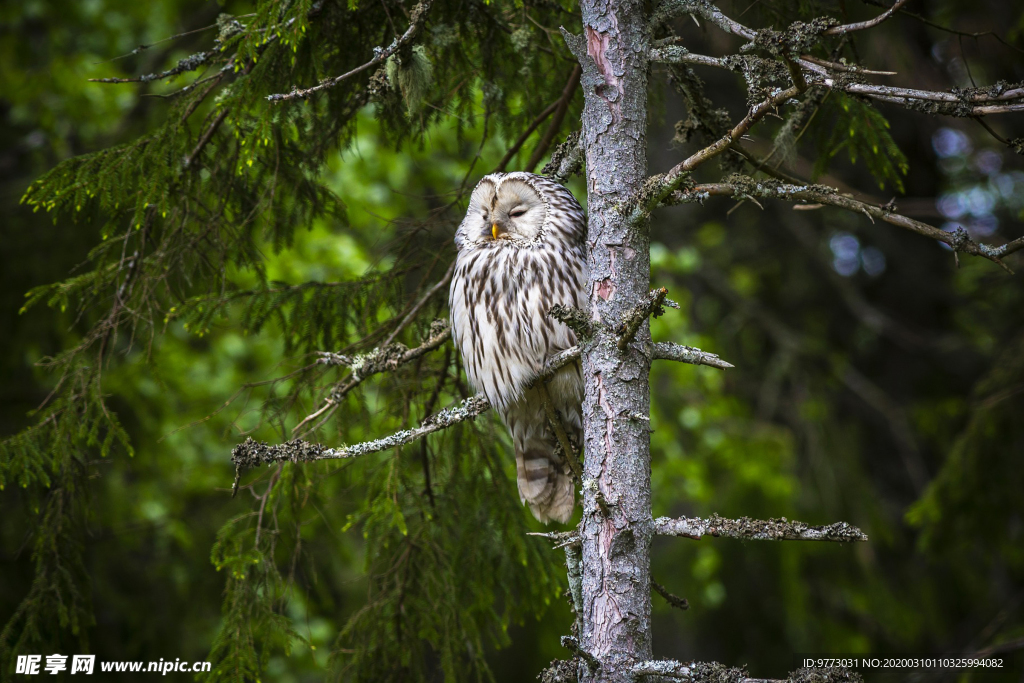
[
  {"x": 958, "y": 102},
  {"x": 252, "y": 453},
  {"x": 780, "y": 529},
  {"x": 658, "y": 188},
  {"x": 556, "y": 121},
  {"x": 687, "y": 354},
  {"x": 822, "y": 194},
  {"x": 673, "y": 600},
  {"x": 861, "y": 25},
  {"x": 363, "y": 366}
]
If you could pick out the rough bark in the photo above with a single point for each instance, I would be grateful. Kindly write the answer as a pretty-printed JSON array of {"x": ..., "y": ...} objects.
[{"x": 616, "y": 528}]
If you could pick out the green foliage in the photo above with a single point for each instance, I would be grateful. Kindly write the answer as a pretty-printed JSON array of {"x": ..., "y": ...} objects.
[
  {"x": 58, "y": 604},
  {"x": 424, "y": 538},
  {"x": 252, "y": 627},
  {"x": 856, "y": 126},
  {"x": 951, "y": 518},
  {"x": 318, "y": 314}
]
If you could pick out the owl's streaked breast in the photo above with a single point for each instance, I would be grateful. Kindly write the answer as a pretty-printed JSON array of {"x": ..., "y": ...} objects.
[{"x": 500, "y": 296}]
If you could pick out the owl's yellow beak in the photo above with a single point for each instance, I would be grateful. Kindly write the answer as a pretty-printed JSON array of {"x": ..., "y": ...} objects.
[{"x": 494, "y": 230}]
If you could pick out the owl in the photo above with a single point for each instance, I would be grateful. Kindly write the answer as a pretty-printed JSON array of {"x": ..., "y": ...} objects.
[{"x": 520, "y": 252}]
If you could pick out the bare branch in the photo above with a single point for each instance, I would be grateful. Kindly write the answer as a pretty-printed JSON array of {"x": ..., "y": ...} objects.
[
  {"x": 710, "y": 12},
  {"x": 573, "y": 645},
  {"x": 251, "y": 453},
  {"x": 651, "y": 306},
  {"x": 659, "y": 188},
  {"x": 861, "y": 25},
  {"x": 1008, "y": 248},
  {"x": 416, "y": 17},
  {"x": 961, "y": 103},
  {"x": 556, "y": 121},
  {"x": 414, "y": 311},
  {"x": 821, "y": 194},
  {"x": 757, "y": 529},
  {"x": 850, "y": 68},
  {"x": 674, "y": 600},
  {"x": 958, "y": 102},
  {"x": 687, "y": 354}
]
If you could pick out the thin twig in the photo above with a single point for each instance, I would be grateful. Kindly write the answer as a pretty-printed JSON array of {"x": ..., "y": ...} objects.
[
  {"x": 850, "y": 68},
  {"x": 861, "y": 25},
  {"x": 521, "y": 140},
  {"x": 674, "y": 600},
  {"x": 414, "y": 311},
  {"x": 207, "y": 136},
  {"x": 556, "y": 121}
]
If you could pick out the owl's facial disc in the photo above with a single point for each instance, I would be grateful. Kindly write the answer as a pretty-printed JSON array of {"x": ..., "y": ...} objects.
[{"x": 517, "y": 212}]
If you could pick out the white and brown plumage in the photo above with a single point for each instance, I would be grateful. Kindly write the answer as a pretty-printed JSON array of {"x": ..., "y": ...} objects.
[{"x": 520, "y": 253}]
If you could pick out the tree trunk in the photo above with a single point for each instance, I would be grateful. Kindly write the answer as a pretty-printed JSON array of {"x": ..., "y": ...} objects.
[{"x": 616, "y": 529}]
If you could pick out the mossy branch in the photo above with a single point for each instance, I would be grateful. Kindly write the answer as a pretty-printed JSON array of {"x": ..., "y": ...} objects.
[
  {"x": 780, "y": 529},
  {"x": 822, "y": 194}
]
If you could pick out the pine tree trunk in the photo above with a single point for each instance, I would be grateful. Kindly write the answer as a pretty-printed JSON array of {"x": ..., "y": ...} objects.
[{"x": 615, "y": 624}]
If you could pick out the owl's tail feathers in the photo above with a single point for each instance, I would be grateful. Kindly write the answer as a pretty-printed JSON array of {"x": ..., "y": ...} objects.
[{"x": 545, "y": 484}]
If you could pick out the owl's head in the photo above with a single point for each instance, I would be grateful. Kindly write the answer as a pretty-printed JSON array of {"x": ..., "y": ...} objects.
[{"x": 504, "y": 209}]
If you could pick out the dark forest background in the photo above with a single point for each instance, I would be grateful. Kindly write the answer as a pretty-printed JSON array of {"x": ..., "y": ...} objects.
[{"x": 876, "y": 381}]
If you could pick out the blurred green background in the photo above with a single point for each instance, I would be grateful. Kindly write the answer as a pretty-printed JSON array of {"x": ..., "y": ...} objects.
[{"x": 875, "y": 382}]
